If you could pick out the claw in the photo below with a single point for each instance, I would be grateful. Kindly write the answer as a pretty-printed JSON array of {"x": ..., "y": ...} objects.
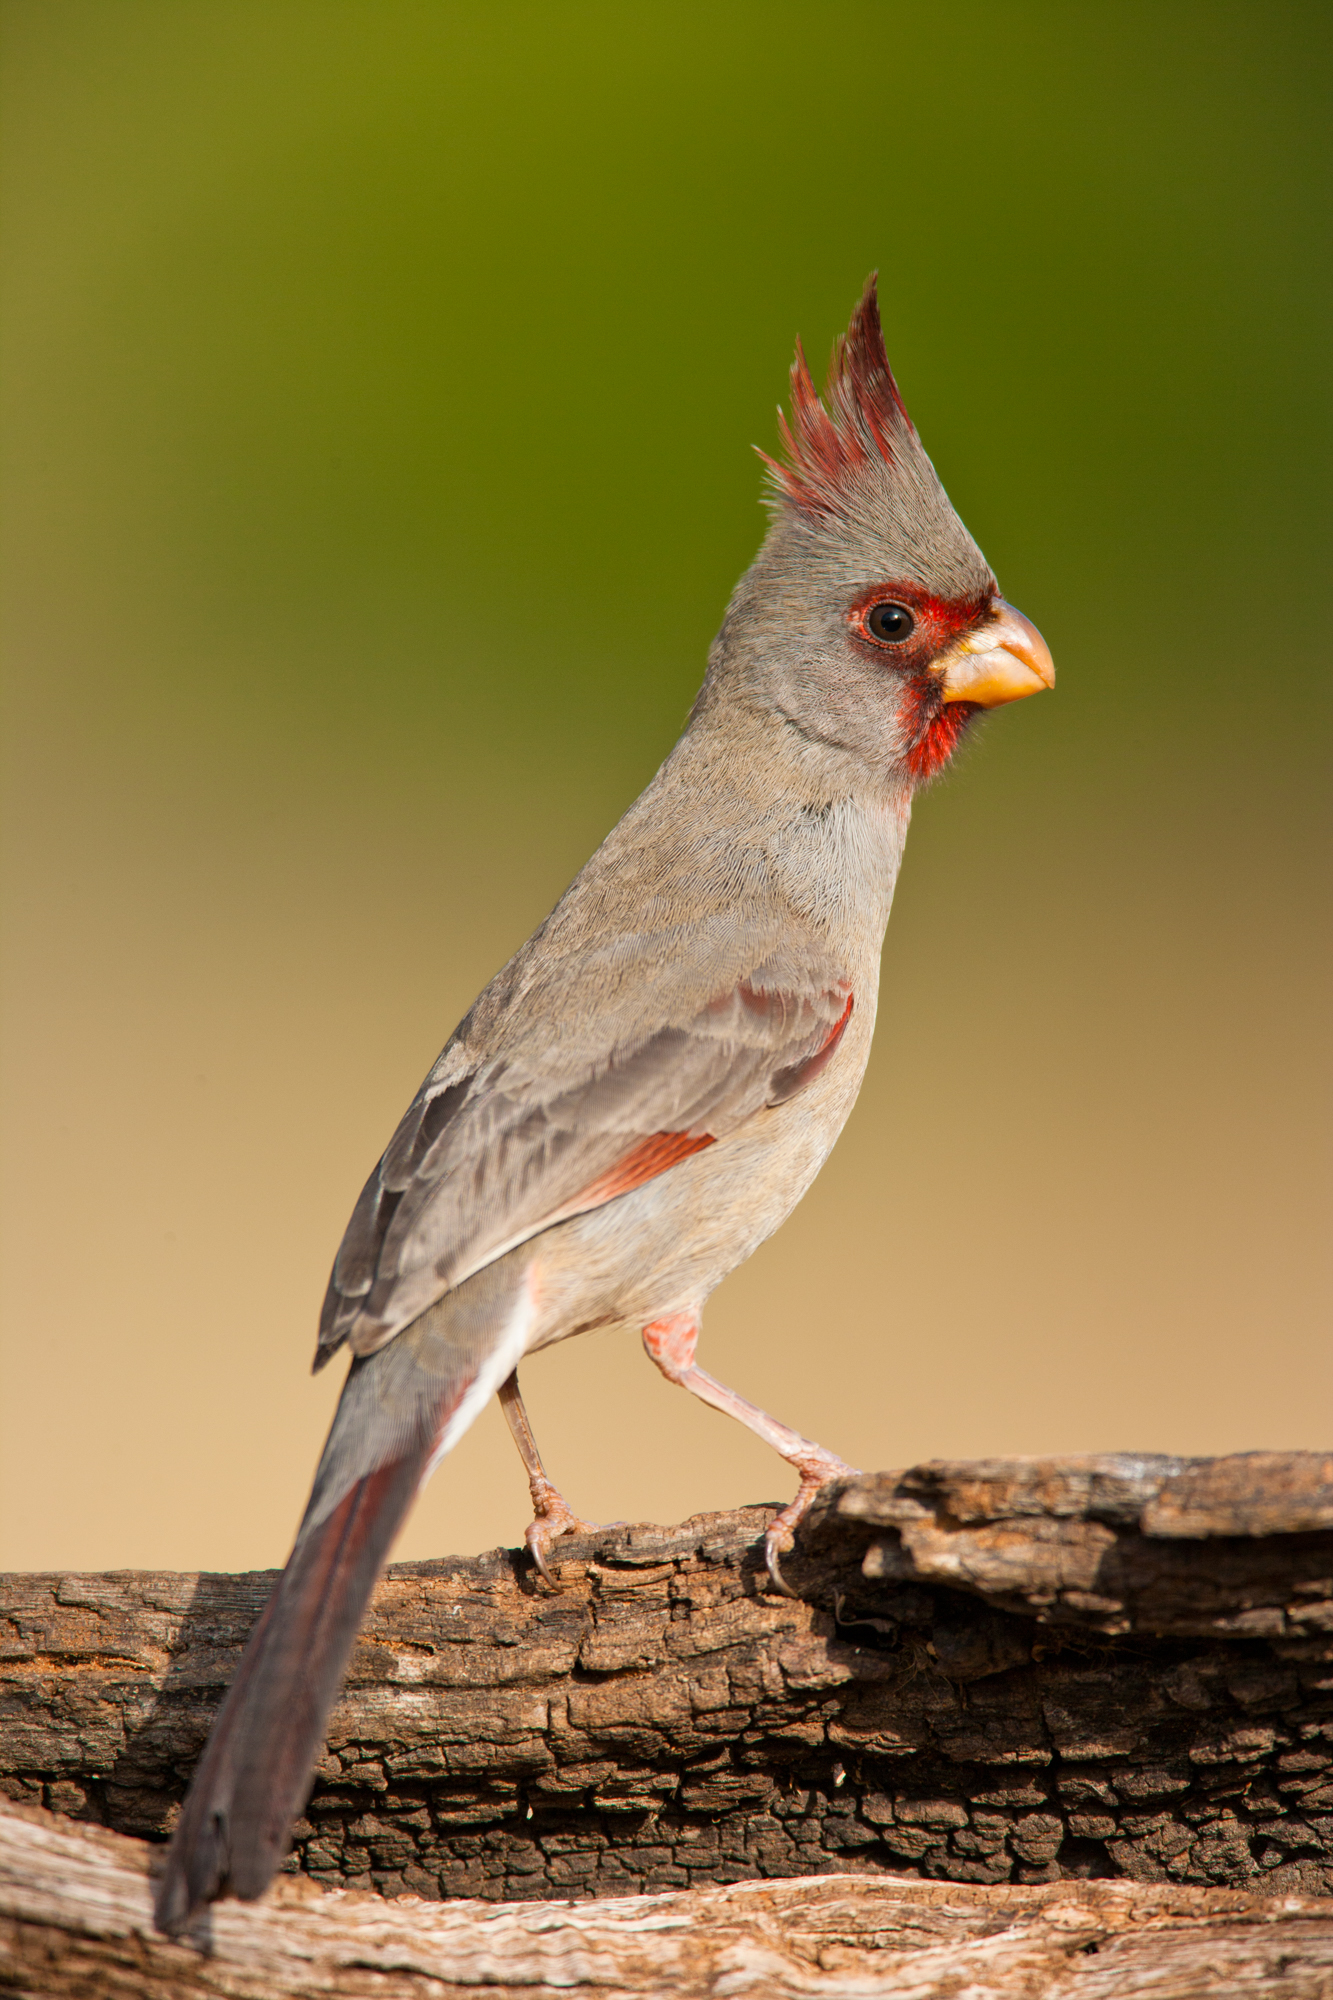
[
  {"x": 775, "y": 1576},
  {"x": 817, "y": 1469},
  {"x": 554, "y": 1517}
]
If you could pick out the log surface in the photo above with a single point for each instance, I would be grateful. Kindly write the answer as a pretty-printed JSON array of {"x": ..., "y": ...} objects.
[
  {"x": 75, "y": 1921},
  {"x": 1007, "y": 1672}
]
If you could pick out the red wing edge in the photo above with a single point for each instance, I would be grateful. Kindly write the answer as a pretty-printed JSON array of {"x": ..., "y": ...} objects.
[
  {"x": 644, "y": 1162},
  {"x": 788, "y": 1081},
  {"x": 653, "y": 1155}
]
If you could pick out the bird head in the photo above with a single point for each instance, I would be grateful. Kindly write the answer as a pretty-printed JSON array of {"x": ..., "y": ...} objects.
[{"x": 870, "y": 619}]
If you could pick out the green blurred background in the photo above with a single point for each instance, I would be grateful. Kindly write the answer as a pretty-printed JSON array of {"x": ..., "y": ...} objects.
[{"x": 381, "y": 381}]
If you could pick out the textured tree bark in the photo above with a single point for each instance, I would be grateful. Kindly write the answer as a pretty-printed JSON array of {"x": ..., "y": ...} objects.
[
  {"x": 1010, "y": 1672},
  {"x": 76, "y": 1922}
]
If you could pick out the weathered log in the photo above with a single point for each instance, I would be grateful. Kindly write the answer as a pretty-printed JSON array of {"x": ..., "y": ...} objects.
[
  {"x": 1011, "y": 1671},
  {"x": 76, "y": 1922}
]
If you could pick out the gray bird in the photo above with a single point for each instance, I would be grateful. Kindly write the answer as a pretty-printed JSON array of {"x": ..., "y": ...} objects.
[{"x": 650, "y": 1085}]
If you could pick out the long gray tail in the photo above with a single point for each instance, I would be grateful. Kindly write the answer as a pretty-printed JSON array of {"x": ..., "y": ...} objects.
[{"x": 253, "y": 1777}]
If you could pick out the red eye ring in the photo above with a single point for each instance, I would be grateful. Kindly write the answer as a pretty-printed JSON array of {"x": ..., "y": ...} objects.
[{"x": 889, "y": 623}]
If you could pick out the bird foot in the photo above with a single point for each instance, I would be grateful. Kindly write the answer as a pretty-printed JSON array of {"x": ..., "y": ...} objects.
[
  {"x": 817, "y": 1468},
  {"x": 554, "y": 1517}
]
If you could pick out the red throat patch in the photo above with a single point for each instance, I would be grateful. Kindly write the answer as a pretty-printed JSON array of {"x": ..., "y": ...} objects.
[{"x": 938, "y": 740}]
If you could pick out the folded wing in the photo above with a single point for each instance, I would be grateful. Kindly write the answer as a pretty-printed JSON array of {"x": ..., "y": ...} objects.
[{"x": 496, "y": 1147}]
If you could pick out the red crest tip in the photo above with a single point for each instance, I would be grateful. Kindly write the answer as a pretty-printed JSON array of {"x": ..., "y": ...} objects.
[{"x": 826, "y": 443}]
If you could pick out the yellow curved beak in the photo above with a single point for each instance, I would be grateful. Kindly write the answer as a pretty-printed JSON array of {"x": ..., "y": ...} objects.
[{"x": 1004, "y": 660}]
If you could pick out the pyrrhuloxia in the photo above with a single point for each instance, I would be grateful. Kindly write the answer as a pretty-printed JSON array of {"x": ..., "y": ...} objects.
[{"x": 650, "y": 1085}]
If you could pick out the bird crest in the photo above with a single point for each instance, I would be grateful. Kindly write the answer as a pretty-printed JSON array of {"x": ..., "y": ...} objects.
[{"x": 826, "y": 444}]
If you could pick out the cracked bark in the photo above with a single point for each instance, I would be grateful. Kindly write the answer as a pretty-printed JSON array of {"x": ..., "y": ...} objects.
[{"x": 999, "y": 1673}]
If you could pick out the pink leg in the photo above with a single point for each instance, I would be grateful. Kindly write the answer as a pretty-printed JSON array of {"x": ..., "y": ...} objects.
[
  {"x": 671, "y": 1343},
  {"x": 554, "y": 1517}
]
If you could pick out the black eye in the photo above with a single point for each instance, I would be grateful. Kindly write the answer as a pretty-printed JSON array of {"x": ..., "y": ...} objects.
[{"x": 890, "y": 623}]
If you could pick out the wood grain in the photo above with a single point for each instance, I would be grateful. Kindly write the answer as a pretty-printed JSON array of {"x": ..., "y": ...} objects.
[{"x": 75, "y": 1921}]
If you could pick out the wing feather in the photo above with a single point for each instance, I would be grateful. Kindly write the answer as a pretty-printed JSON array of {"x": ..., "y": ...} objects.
[{"x": 494, "y": 1149}]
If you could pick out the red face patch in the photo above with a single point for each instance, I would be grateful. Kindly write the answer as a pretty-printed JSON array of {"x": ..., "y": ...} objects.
[{"x": 934, "y": 726}]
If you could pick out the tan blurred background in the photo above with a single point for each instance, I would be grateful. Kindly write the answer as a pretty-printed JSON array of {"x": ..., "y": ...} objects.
[{"x": 381, "y": 380}]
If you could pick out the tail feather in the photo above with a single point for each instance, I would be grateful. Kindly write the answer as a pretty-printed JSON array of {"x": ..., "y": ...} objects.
[
  {"x": 253, "y": 1777},
  {"x": 400, "y": 1409}
]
